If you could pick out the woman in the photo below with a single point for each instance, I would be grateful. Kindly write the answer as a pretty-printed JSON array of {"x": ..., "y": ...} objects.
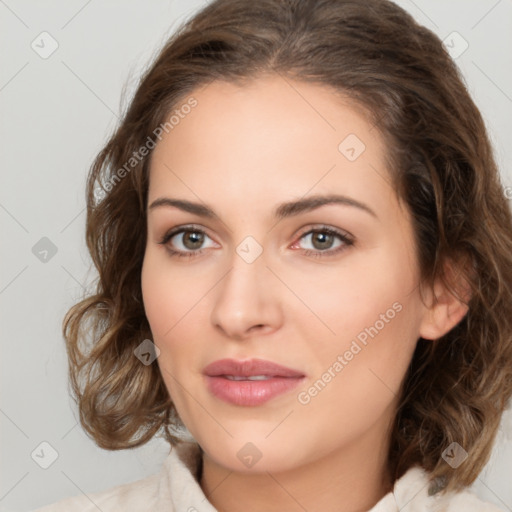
[{"x": 304, "y": 256}]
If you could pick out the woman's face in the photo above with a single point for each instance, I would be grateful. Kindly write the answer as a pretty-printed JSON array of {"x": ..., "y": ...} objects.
[{"x": 274, "y": 271}]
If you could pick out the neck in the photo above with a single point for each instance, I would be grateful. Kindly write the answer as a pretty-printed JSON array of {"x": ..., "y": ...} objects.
[{"x": 349, "y": 479}]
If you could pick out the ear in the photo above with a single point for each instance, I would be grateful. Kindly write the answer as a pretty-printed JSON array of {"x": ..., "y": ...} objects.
[{"x": 445, "y": 305}]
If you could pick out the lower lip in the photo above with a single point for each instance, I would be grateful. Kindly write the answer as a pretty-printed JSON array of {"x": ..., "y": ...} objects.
[{"x": 250, "y": 392}]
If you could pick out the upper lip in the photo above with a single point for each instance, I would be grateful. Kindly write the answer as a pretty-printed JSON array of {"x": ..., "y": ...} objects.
[{"x": 249, "y": 368}]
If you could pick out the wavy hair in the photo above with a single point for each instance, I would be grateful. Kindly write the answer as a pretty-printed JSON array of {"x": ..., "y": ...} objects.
[{"x": 440, "y": 160}]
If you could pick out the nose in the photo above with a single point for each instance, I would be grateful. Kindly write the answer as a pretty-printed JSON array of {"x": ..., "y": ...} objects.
[{"x": 247, "y": 300}]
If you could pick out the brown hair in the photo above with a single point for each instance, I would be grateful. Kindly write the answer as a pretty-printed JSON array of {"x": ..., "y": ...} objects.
[{"x": 440, "y": 159}]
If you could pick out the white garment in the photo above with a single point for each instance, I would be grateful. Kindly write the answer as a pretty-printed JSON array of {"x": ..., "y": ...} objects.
[{"x": 176, "y": 489}]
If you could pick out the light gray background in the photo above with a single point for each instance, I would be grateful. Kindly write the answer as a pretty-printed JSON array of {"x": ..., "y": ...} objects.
[{"x": 56, "y": 114}]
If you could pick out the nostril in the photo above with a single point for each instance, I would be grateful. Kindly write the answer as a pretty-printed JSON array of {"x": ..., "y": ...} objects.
[{"x": 259, "y": 327}]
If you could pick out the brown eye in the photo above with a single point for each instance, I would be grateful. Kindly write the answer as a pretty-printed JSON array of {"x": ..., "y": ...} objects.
[
  {"x": 322, "y": 240},
  {"x": 186, "y": 241},
  {"x": 325, "y": 242},
  {"x": 192, "y": 239}
]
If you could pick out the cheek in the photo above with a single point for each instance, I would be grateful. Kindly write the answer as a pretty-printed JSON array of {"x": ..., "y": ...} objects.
[
  {"x": 357, "y": 379},
  {"x": 169, "y": 294},
  {"x": 164, "y": 304},
  {"x": 175, "y": 306},
  {"x": 354, "y": 296},
  {"x": 157, "y": 301},
  {"x": 373, "y": 313}
]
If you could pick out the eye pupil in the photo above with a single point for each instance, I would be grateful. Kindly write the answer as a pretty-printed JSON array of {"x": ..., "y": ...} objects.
[
  {"x": 195, "y": 238},
  {"x": 324, "y": 239}
]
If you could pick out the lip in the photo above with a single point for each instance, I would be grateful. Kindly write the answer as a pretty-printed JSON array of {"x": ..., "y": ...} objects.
[{"x": 279, "y": 380}]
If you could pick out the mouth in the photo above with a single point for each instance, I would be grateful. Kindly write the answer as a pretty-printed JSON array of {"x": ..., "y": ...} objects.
[
  {"x": 249, "y": 383},
  {"x": 250, "y": 377}
]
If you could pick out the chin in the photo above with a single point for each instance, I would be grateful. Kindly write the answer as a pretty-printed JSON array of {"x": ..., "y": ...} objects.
[
  {"x": 251, "y": 458},
  {"x": 254, "y": 453}
]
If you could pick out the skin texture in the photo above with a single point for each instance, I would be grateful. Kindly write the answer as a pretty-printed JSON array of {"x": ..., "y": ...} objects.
[{"x": 243, "y": 150}]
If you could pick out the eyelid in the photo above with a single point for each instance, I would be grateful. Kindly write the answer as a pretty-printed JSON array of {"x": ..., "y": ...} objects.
[
  {"x": 183, "y": 228},
  {"x": 325, "y": 227}
]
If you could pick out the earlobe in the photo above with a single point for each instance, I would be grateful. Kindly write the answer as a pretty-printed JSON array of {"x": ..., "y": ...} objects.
[{"x": 443, "y": 308}]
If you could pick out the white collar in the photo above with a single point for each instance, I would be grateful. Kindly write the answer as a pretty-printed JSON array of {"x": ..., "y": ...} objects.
[
  {"x": 176, "y": 489},
  {"x": 179, "y": 480}
]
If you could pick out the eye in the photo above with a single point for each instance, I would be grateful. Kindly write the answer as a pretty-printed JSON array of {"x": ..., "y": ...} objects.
[
  {"x": 185, "y": 241},
  {"x": 325, "y": 241}
]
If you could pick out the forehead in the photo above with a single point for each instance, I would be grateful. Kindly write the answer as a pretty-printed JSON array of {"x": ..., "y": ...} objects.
[{"x": 270, "y": 136}]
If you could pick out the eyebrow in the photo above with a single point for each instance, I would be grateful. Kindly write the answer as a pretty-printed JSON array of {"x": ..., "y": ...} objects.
[{"x": 282, "y": 211}]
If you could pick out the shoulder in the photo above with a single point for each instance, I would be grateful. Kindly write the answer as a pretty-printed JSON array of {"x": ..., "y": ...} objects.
[
  {"x": 411, "y": 493},
  {"x": 464, "y": 500},
  {"x": 175, "y": 487},
  {"x": 138, "y": 495}
]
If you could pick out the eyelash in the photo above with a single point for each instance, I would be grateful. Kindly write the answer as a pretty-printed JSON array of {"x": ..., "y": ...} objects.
[{"x": 347, "y": 241}]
